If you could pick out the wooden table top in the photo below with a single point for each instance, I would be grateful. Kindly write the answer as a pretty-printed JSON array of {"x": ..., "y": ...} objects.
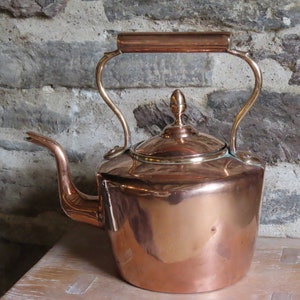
[{"x": 81, "y": 266}]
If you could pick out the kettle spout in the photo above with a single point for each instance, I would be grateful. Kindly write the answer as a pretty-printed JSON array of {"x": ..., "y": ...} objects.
[{"x": 77, "y": 205}]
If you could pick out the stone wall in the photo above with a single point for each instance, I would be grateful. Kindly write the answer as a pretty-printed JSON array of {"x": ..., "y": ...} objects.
[{"x": 48, "y": 54}]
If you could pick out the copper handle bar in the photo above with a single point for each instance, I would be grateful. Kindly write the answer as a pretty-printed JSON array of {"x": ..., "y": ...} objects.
[{"x": 175, "y": 42}]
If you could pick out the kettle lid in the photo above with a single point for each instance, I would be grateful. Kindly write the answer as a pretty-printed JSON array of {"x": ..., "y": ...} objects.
[{"x": 179, "y": 143}]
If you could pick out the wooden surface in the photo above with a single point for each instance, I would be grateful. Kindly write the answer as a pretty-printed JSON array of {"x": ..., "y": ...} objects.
[{"x": 81, "y": 266}]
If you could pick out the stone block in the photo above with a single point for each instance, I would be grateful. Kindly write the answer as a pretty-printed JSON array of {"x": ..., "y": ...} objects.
[
  {"x": 280, "y": 213},
  {"x": 53, "y": 63},
  {"x": 58, "y": 63},
  {"x": 271, "y": 129},
  {"x": 160, "y": 70},
  {"x": 287, "y": 56},
  {"x": 24, "y": 115},
  {"x": 246, "y": 15},
  {"x": 280, "y": 207},
  {"x": 30, "y": 8}
]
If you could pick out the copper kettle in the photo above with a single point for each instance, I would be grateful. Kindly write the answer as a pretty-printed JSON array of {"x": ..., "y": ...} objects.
[{"x": 182, "y": 208}]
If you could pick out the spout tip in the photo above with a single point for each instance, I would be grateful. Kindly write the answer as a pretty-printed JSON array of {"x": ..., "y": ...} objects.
[
  {"x": 41, "y": 140},
  {"x": 29, "y": 136},
  {"x": 34, "y": 137}
]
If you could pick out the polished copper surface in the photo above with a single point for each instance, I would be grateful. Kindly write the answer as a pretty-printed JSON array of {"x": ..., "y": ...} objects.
[
  {"x": 181, "y": 209},
  {"x": 77, "y": 205},
  {"x": 173, "y": 41},
  {"x": 182, "y": 228}
]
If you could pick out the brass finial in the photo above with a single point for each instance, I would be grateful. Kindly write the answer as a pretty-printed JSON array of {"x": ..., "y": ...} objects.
[{"x": 178, "y": 106}]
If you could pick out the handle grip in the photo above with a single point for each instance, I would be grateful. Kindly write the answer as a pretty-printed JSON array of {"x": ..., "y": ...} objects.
[{"x": 148, "y": 42}]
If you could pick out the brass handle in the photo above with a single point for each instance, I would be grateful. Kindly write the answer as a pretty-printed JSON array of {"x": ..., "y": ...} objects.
[
  {"x": 252, "y": 99},
  {"x": 175, "y": 42}
]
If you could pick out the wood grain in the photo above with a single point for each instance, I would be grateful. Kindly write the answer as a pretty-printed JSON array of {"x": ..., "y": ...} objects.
[{"x": 81, "y": 266}]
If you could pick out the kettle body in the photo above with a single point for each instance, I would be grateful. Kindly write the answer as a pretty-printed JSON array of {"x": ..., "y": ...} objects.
[{"x": 178, "y": 229}]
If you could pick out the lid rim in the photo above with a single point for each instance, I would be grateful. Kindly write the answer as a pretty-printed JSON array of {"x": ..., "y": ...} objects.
[{"x": 187, "y": 159}]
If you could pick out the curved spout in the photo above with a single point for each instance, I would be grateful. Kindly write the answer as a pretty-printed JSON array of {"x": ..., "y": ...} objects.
[{"x": 77, "y": 205}]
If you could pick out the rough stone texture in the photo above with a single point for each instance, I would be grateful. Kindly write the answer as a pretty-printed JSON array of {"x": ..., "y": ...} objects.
[
  {"x": 290, "y": 56},
  {"x": 246, "y": 15},
  {"x": 57, "y": 63},
  {"x": 52, "y": 63},
  {"x": 160, "y": 70},
  {"x": 295, "y": 79},
  {"x": 280, "y": 205},
  {"x": 73, "y": 65},
  {"x": 23, "y": 115},
  {"x": 271, "y": 129},
  {"x": 283, "y": 203},
  {"x": 29, "y": 8},
  {"x": 287, "y": 57}
]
